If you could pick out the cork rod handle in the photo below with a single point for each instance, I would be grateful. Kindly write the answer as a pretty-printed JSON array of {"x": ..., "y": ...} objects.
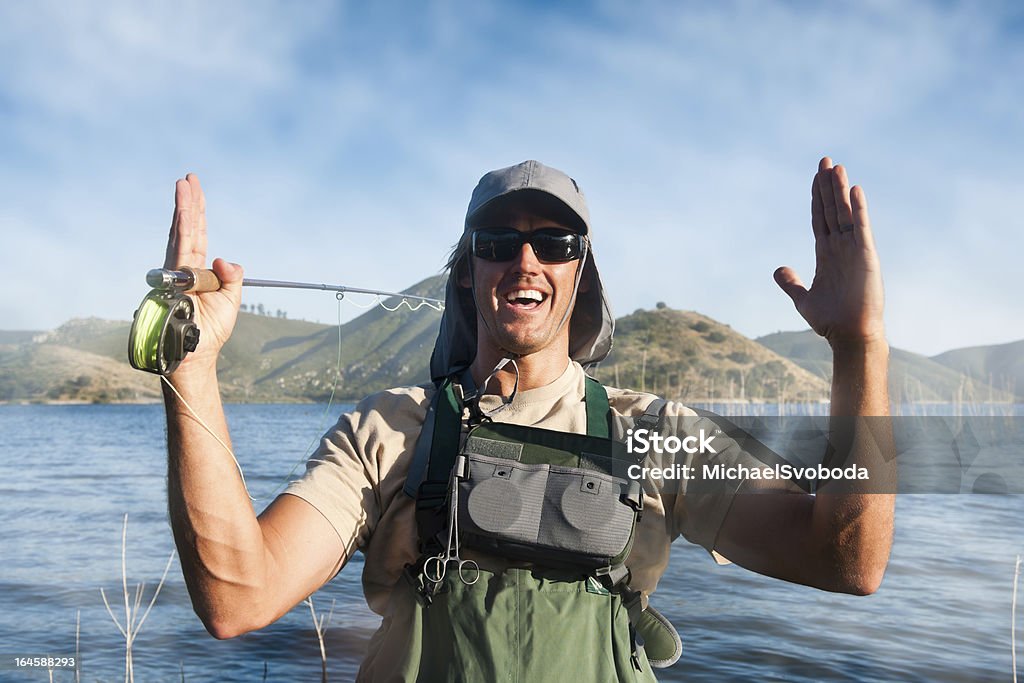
[{"x": 203, "y": 280}]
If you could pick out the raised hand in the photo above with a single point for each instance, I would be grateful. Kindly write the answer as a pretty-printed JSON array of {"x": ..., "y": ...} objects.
[
  {"x": 845, "y": 300},
  {"x": 216, "y": 312}
]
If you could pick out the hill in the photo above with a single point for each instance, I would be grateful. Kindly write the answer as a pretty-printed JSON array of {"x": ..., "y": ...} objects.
[
  {"x": 49, "y": 371},
  {"x": 267, "y": 359},
  {"x": 912, "y": 377},
  {"x": 1000, "y": 366},
  {"x": 688, "y": 356},
  {"x": 677, "y": 354},
  {"x": 272, "y": 359}
]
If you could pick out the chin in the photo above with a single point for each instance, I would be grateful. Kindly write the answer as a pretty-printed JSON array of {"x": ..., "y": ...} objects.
[{"x": 523, "y": 345}]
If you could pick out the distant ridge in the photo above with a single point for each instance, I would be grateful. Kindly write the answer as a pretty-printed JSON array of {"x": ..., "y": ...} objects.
[
  {"x": 267, "y": 359},
  {"x": 677, "y": 354},
  {"x": 1000, "y": 366},
  {"x": 912, "y": 377}
]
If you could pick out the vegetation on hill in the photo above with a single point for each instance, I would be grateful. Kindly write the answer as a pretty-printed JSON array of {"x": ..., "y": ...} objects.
[
  {"x": 688, "y": 356},
  {"x": 1000, "y": 366},
  {"x": 912, "y": 377},
  {"x": 273, "y": 359},
  {"x": 677, "y": 354}
]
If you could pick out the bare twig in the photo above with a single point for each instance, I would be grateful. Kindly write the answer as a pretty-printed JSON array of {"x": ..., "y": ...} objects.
[
  {"x": 78, "y": 658},
  {"x": 131, "y": 629},
  {"x": 1013, "y": 620},
  {"x": 321, "y": 629}
]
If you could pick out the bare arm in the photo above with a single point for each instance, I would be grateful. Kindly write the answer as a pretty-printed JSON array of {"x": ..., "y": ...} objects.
[
  {"x": 242, "y": 572},
  {"x": 839, "y": 539}
]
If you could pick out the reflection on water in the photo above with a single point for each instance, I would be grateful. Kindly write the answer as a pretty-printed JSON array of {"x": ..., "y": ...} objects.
[{"x": 69, "y": 473}]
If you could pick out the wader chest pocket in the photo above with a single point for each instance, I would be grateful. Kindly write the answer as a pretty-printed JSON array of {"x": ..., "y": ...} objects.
[{"x": 544, "y": 512}]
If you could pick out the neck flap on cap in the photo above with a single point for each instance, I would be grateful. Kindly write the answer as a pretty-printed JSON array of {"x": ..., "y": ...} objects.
[{"x": 591, "y": 325}]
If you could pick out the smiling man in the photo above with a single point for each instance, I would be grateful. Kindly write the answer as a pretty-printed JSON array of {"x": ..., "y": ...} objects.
[{"x": 501, "y": 540}]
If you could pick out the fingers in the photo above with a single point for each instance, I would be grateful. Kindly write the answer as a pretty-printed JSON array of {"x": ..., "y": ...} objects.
[
  {"x": 230, "y": 274},
  {"x": 791, "y": 284},
  {"x": 199, "y": 214},
  {"x": 861, "y": 220},
  {"x": 186, "y": 243},
  {"x": 830, "y": 199},
  {"x": 841, "y": 193},
  {"x": 817, "y": 209},
  {"x": 823, "y": 181}
]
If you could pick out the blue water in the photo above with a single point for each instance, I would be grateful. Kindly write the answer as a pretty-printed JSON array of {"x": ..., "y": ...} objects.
[{"x": 68, "y": 474}]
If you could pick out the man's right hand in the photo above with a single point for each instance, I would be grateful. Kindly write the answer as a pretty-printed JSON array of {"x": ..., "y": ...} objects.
[{"x": 215, "y": 312}]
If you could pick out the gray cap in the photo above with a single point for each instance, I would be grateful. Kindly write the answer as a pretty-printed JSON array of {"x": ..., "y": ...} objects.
[
  {"x": 554, "y": 195},
  {"x": 531, "y": 181}
]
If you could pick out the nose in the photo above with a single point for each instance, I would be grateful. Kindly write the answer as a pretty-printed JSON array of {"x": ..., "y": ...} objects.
[{"x": 526, "y": 261}]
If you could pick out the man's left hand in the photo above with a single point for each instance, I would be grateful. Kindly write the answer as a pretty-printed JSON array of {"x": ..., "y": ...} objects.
[{"x": 845, "y": 300}]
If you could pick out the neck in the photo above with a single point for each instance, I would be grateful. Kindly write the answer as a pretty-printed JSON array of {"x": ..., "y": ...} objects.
[{"x": 535, "y": 370}]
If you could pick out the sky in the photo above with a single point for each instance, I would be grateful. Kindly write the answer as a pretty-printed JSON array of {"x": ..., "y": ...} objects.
[{"x": 339, "y": 142}]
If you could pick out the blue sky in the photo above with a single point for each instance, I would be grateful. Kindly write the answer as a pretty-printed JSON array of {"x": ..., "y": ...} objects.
[{"x": 339, "y": 142}]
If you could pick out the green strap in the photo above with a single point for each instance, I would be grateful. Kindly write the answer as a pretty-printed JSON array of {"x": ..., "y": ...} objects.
[
  {"x": 599, "y": 414},
  {"x": 447, "y": 429}
]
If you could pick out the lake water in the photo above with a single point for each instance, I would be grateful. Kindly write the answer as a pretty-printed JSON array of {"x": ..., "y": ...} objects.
[{"x": 68, "y": 474}]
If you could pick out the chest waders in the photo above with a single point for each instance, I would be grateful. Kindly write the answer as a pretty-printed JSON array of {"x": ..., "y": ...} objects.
[{"x": 534, "y": 496}]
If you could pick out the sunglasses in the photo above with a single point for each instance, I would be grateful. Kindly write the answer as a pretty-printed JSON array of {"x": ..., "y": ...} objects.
[{"x": 551, "y": 245}]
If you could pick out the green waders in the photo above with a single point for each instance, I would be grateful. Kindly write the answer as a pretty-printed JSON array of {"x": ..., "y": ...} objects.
[
  {"x": 566, "y": 615},
  {"x": 518, "y": 625}
]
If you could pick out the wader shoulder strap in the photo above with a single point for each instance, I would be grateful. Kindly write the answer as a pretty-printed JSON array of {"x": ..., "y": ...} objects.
[
  {"x": 599, "y": 413},
  {"x": 651, "y": 419},
  {"x": 444, "y": 415}
]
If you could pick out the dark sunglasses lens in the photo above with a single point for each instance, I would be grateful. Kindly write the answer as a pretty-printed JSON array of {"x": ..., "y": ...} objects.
[
  {"x": 497, "y": 244},
  {"x": 551, "y": 245},
  {"x": 556, "y": 246}
]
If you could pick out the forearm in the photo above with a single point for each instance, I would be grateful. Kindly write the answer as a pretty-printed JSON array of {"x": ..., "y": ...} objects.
[
  {"x": 219, "y": 539},
  {"x": 852, "y": 519}
]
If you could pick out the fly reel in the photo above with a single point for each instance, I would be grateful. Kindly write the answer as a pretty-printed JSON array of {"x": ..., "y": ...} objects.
[{"x": 163, "y": 331}]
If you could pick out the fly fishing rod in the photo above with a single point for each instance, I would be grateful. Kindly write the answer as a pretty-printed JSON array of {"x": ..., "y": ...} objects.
[{"x": 163, "y": 331}]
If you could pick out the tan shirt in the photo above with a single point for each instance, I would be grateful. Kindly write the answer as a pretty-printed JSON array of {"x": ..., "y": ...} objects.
[{"x": 355, "y": 479}]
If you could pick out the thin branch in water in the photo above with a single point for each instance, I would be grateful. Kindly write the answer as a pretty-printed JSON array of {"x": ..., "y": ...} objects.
[
  {"x": 78, "y": 658},
  {"x": 132, "y": 622},
  {"x": 1013, "y": 619},
  {"x": 321, "y": 629}
]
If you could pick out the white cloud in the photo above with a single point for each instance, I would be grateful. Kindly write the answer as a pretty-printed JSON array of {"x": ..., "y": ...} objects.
[{"x": 341, "y": 142}]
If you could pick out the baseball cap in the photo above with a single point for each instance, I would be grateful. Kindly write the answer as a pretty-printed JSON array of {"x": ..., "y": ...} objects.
[{"x": 542, "y": 188}]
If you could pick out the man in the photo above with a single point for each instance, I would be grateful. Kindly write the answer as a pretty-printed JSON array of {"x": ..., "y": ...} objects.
[{"x": 525, "y": 310}]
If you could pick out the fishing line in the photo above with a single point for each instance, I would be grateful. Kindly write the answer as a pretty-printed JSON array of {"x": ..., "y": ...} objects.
[
  {"x": 211, "y": 432},
  {"x": 413, "y": 302},
  {"x": 378, "y": 301},
  {"x": 309, "y": 448},
  {"x": 163, "y": 332},
  {"x": 323, "y": 418}
]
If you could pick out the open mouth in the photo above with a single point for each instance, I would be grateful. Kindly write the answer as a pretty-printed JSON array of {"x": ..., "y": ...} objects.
[{"x": 525, "y": 299}]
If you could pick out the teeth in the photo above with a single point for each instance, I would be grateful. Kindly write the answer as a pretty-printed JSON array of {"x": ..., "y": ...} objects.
[{"x": 531, "y": 294}]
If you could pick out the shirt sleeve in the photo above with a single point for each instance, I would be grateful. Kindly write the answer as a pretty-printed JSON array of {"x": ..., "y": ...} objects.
[
  {"x": 713, "y": 464},
  {"x": 361, "y": 464}
]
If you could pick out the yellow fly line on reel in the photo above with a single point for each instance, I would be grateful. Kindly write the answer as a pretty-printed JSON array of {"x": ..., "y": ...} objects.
[{"x": 163, "y": 331}]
